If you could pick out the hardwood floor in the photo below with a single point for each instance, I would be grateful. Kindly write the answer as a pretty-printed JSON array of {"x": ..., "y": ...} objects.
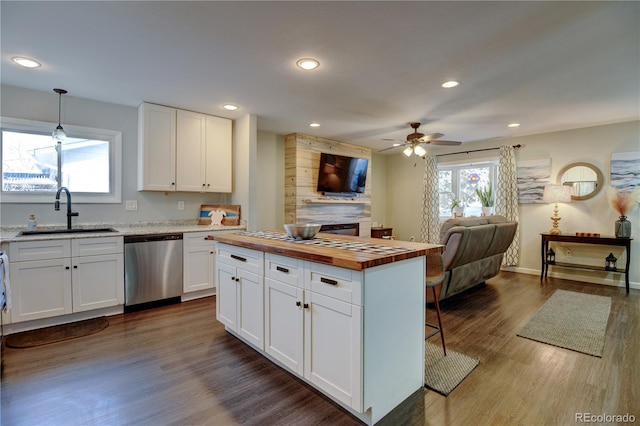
[{"x": 177, "y": 366}]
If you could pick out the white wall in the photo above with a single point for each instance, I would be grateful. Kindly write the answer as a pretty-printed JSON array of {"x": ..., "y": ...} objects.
[
  {"x": 592, "y": 145},
  {"x": 43, "y": 106},
  {"x": 270, "y": 181}
]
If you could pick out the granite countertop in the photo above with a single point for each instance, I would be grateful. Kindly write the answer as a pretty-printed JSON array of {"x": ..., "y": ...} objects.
[
  {"x": 9, "y": 234},
  {"x": 339, "y": 250}
]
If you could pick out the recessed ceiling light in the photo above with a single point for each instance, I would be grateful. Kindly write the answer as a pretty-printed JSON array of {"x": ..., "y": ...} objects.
[
  {"x": 25, "y": 62},
  {"x": 230, "y": 107},
  {"x": 449, "y": 84},
  {"x": 308, "y": 63},
  {"x": 513, "y": 125},
  {"x": 314, "y": 125}
]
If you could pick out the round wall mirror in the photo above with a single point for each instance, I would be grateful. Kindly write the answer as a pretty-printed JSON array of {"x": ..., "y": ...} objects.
[{"x": 584, "y": 179}]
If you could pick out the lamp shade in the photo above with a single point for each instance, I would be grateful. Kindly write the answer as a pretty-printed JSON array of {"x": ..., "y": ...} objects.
[{"x": 556, "y": 194}]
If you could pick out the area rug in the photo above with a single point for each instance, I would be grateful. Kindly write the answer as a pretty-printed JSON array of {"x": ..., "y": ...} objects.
[
  {"x": 444, "y": 373},
  {"x": 571, "y": 320},
  {"x": 57, "y": 333}
]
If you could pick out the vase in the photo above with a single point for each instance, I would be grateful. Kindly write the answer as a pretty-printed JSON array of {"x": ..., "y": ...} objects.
[
  {"x": 623, "y": 228},
  {"x": 487, "y": 211}
]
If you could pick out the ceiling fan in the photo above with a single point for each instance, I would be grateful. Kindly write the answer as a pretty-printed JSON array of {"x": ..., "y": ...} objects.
[{"x": 412, "y": 144}]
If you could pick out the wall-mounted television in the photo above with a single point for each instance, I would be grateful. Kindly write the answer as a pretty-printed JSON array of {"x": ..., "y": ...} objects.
[{"x": 339, "y": 174}]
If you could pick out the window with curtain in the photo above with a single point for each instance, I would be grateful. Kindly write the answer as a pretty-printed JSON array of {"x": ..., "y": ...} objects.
[{"x": 459, "y": 182}]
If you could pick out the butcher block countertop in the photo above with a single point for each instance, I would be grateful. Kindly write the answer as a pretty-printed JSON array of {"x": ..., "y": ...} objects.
[{"x": 338, "y": 250}]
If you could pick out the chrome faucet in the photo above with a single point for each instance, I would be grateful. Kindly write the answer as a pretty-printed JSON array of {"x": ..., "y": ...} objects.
[{"x": 69, "y": 212}]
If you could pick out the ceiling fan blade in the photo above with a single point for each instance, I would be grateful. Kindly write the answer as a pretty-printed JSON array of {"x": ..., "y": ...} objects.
[
  {"x": 394, "y": 140},
  {"x": 447, "y": 143},
  {"x": 391, "y": 147},
  {"x": 430, "y": 137}
]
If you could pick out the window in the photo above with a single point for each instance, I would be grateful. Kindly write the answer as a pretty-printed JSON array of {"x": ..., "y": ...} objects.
[
  {"x": 459, "y": 182},
  {"x": 90, "y": 163}
]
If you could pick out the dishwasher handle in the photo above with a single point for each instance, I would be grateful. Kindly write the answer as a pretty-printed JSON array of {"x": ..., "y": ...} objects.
[{"x": 151, "y": 237}]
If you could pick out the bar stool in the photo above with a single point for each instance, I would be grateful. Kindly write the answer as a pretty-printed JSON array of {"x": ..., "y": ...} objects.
[{"x": 435, "y": 277}]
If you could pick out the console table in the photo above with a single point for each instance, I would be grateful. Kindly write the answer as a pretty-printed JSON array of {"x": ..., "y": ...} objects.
[{"x": 607, "y": 241}]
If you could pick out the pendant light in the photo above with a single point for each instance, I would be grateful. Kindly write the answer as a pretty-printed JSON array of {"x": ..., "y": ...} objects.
[{"x": 58, "y": 134}]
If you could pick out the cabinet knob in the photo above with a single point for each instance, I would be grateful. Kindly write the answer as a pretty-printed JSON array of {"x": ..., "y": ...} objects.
[
  {"x": 233, "y": 278},
  {"x": 66, "y": 267},
  {"x": 237, "y": 279},
  {"x": 211, "y": 252},
  {"x": 298, "y": 303},
  {"x": 208, "y": 185},
  {"x": 173, "y": 183},
  {"x": 306, "y": 306},
  {"x": 75, "y": 266}
]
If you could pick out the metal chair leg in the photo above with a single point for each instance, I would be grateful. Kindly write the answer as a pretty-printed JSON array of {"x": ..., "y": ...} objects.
[{"x": 435, "y": 298}]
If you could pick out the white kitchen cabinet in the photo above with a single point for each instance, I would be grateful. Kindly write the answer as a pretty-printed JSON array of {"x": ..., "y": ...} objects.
[
  {"x": 218, "y": 153},
  {"x": 240, "y": 292},
  {"x": 311, "y": 331},
  {"x": 58, "y": 277},
  {"x": 183, "y": 150},
  {"x": 156, "y": 148},
  {"x": 40, "y": 289},
  {"x": 198, "y": 261}
]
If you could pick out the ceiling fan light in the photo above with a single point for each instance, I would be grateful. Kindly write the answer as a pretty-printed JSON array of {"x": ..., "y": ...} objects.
[
  {"x": 419, "y": 151},
  {"x": 408, "y": 151}
]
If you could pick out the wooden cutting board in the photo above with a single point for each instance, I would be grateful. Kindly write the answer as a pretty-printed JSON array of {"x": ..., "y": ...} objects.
[{"x": 232, "y": 212}]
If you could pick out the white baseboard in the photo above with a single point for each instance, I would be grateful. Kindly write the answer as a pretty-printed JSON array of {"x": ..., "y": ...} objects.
[{"x": 614, "y": 279}]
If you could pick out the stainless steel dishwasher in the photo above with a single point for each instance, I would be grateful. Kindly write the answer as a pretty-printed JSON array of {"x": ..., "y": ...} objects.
[{"x": 152, "y": 270}]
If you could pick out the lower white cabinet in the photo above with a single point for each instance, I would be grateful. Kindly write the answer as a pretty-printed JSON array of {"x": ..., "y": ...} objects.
[
  {"x": 240, "y": 297},
  {"x": 198, "y": 261},
  {"x": 58, "y": 277}
]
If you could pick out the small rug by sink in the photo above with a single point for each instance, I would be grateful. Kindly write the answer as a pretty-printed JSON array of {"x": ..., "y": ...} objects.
[
  {"x": 571, "y": 320},
  {"x": 444, "y": 373},
  {"x": 57, "y": 333}
]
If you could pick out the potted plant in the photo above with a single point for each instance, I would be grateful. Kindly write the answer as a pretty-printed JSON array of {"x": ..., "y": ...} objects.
[
  {"x": 486, "y": 199},
  {"x": 457, "y": 207}
]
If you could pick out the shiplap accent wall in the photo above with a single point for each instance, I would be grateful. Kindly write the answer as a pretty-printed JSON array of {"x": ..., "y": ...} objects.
[{"x": 302, "y": 159}]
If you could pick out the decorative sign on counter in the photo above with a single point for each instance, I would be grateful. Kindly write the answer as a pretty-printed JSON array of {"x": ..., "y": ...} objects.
[{"x": 231, "y": 214}]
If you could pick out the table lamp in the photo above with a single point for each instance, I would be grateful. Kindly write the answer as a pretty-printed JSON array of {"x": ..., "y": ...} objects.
[{"x": 556, "y": 194}]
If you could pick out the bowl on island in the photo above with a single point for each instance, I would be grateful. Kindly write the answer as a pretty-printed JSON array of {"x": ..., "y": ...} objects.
[{"x": 302, "y": 231}]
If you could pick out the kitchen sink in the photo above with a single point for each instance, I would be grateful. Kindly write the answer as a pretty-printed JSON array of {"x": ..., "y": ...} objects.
[{"x": 66, "y": 231}]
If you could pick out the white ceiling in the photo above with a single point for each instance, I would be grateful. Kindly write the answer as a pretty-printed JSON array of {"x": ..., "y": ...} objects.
[{"x": 547, "y": 65}]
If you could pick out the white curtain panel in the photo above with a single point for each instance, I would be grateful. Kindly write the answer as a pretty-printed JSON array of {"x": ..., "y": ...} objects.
[
  {"x": 507, "y": 199},
  {"x": 430, "y": 226}
]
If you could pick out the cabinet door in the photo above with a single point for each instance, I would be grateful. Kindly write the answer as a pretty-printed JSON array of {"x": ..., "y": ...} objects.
[
  {"x": 218, "y": 148},
  {"x": 227, "y": 295},
  {"x": 40, "y": 289},
  {"x": 198, "y": 267},
  {"x": 333, "y": 354},
  {"x": 250, "y": 316},
  {"x": 97, "y": 281},
  {"x": 283, "y": 324},
  {"x": 156, "y": 148},
  {"x": 190, "y": 151}
]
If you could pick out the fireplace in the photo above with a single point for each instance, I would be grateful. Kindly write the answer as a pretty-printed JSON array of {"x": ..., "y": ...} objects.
[{"x": 341, "y": 228}]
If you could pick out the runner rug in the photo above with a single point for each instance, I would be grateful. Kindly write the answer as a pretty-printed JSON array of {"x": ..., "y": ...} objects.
[
  {"x": 444, "y": 373},
  {"x": 571, "y": 320},
  {"x": 57, "y": 333}
]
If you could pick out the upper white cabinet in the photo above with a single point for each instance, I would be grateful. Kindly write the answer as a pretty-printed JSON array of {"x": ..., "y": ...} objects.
[
  {"x": 183, "y": 150},
  {"x": 156, "y": 148}
]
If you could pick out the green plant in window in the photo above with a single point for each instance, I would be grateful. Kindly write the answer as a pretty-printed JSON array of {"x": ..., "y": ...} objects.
[
  {"x": 456, "y": 203},
  {"x": 485, "y": 195}
]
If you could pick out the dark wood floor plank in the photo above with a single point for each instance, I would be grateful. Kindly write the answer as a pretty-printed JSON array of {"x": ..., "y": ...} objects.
[{"x": 176, "y": 365}]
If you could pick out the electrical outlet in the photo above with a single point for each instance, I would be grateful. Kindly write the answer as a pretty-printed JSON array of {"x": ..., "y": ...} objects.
[
  {"x": 180, "y": 205},
  {"x": 412, "y": 238},
  {"x": 131, "y": 205},
  {"x": 568, "y": 252}
]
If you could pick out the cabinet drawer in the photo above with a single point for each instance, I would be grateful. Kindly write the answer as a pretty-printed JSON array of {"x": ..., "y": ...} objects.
[
  {"x": 197, "y": 239},
  {"x": 240, "y": 257},
  {"x": 340, "y": 283},
  {"x": 39, "y": 250},
  {"x": 284, "y": 269},
  {"x": 97, "y": 246}
]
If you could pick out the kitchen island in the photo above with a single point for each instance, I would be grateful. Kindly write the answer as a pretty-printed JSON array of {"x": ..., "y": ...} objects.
[{"x": 344, "y": 314}]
